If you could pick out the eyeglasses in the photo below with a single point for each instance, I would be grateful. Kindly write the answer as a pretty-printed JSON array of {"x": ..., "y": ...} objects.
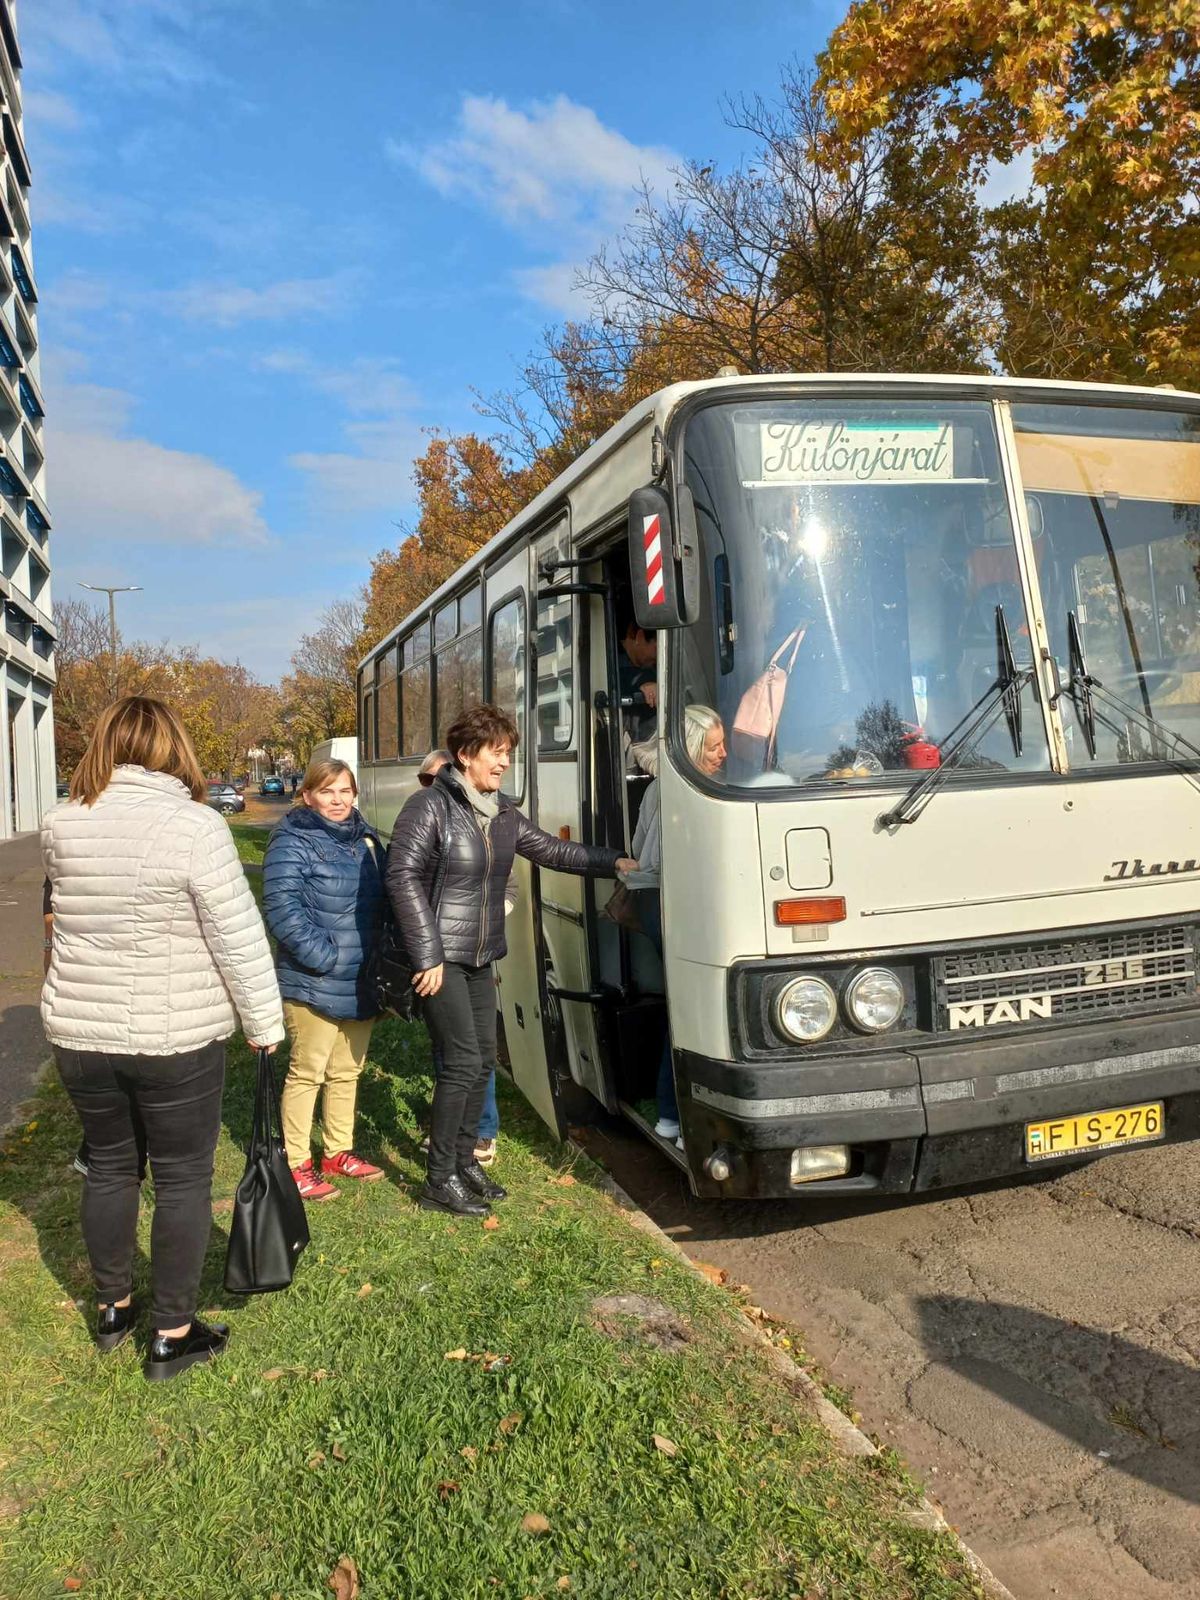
[{"x": 425, "y": 779}]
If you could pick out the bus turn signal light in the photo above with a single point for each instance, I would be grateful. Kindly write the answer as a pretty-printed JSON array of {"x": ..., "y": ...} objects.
[{"x": 802, "y": 913}]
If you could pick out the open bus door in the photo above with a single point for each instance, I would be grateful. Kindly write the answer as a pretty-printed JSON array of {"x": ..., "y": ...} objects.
[
  {"x": 567, "y": 610},
  {"x": 520, "y": 975}
]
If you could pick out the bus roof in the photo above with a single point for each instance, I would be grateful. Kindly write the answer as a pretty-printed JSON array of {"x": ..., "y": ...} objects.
[{"x": 659, "y": 407}]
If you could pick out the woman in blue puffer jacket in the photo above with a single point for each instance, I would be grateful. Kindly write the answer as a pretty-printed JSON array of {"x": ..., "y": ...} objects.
[{"x": 323, "y": 899}]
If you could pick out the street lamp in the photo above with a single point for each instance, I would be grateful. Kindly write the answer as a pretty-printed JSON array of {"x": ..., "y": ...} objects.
[{"x": 112, "y": 590}]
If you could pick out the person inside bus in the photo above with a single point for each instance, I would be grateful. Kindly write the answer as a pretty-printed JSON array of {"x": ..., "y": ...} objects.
[
  {"x": 637, "y": 676},
  {"x": 489, "y": 1118},
  {"x": 323, "y": 900},
  {"x": 463, "y": 832},
  {"x": 704, "y": 740}
]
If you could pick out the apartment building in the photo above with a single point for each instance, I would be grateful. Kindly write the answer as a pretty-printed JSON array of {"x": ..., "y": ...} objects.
[{"x": 27, "y": 637}]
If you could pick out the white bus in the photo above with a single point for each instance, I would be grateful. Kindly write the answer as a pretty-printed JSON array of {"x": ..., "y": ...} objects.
[{"x": 937, "y": 919}]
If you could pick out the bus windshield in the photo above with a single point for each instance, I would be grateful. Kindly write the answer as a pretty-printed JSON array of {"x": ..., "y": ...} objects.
[
  {"x": 1113, "y": 496},
  {"x": 863, "y": 548}
]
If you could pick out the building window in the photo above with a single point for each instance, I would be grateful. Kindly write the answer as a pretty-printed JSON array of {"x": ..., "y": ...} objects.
[
  {"x": 507, "y": 656},
  {"x": 445, "y": 624},
  {"x": 34, "y": 520},
  {"x": 29, "y": 401},
  {"x": 388, "y": 707},
  {"x": 459, "y": 680},
  {"x": 21, "y": 275},
  {"x": 416, "y": 709}
]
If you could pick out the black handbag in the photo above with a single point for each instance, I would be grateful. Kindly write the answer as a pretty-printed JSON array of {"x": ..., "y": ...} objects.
[
  {"x": 393, "y": 972},
  {"x": 269, "y": 1227}
]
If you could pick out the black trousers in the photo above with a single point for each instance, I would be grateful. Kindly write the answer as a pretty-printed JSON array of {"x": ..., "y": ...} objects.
[
  {"x": 461, "y": 1019},
  {"x": 177, "y": 1101}
]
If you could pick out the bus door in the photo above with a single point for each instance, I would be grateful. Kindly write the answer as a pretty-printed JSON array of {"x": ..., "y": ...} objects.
[
  {"x": 566, "y": 606},
  {"x": 520, "y": 975}
]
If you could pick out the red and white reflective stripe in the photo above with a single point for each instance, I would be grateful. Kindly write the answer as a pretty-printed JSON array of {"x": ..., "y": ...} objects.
[{"x": 652, "y": 537}]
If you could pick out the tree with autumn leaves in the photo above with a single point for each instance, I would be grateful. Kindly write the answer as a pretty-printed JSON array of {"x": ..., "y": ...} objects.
[
  {"x": 1094, "y": 272},
  {"x": 856, "y": 237}
]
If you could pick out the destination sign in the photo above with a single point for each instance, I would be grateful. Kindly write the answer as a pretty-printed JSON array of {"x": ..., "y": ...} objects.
[{"x": 849, "y": 452}]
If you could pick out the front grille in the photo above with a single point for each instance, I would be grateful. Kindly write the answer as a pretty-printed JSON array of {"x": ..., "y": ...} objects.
[{"x": 1101, "y": 975}]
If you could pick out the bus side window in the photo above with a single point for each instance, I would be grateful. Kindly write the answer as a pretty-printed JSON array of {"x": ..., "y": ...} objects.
[{"x": 507, "y": 656}]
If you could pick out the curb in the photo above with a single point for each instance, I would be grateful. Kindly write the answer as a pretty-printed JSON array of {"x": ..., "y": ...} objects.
[{"x": 849, "y": 1439}]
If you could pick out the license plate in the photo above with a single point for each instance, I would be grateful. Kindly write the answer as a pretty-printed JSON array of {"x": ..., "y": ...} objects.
[{"x": 1094, "y": 1130}]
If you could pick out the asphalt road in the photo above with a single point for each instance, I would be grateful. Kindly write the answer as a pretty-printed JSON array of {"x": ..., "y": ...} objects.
[{"x": 1032, "y": 1350}]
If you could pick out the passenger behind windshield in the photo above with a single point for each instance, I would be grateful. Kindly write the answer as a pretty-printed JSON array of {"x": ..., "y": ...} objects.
[{"x": 890, "y": 587}]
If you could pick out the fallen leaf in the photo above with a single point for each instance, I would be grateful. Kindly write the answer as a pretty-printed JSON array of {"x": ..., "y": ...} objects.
[
  {"x": 456, "y": 1355},
  {"x": 272, "y": 1373},
  {"x": 221, "y": 1207},
  {"x": 315, "y": 1459},
  {"x": 513, "y": 1420},
  {"x": 319, "y": 1375},
  {"x": 363, "y": 1292},
  {"x": 337, "y": 1452},
  {"x": 667, "y": 1446},
  {"x": 343, "y": 1580},
  {"x": 491, "y": 1223},
  {"x": 716, "y": 1275},
  {"x": 567, "y": 1181},
  {"x": 447, "y": 1487},
  {"x": 468, "y": 1452},
  {"x": 563, "y": 1583},
  {"x": 72, "y": 1584},
  {"x": 496, "y": 1363},
  {"x": 535, "y": 1522}
]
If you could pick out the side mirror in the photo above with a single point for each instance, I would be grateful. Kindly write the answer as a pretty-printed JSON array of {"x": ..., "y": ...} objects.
[{"x": 664, "y": 559}]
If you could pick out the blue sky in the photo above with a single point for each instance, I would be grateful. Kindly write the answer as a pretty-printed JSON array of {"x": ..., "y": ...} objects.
[{"x": 275, "y": 240}]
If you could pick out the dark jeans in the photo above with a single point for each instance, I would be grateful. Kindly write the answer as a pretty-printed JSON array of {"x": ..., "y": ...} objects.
[
  {"x": 461, "y": 1019},
  {"x": 489, "y": 1117},
  {"x": 177, "y": 1100}
]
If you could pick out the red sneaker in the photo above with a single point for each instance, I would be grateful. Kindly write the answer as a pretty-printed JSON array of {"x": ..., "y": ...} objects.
[
  {"x": 311, "y": 1186},
  {"x": 347, "y": 1165}
]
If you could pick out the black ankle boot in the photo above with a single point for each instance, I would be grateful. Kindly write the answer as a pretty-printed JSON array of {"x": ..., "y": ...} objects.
[
  {"x": 170, "y": 1356},
  {"x": 452, "y": 1195},
  {"x": 113, "y": 1325},
  {"x": 477, "y": 1180}
]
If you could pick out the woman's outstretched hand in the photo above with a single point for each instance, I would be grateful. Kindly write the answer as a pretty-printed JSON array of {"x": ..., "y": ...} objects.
[{"x": 428, "y": 982}]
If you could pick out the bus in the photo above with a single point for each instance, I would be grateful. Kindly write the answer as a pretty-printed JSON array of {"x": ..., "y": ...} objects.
[{"x": 935, "y": 920}]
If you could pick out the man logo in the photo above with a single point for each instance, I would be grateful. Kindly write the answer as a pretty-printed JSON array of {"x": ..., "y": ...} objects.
[{"x": 989, "y": 1013}]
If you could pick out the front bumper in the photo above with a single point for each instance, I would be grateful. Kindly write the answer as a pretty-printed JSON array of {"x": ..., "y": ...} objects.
[{"x": 929, "y": 1116}]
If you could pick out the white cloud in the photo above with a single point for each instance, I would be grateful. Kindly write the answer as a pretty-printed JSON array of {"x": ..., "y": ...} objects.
[
  {"x": 1011, "y": 180},
  {"x": 555, "y": 287},
  {"x": 556, "y": 162},
  {"x": 228, "y": 304},
  {"x": 144, "y": 43},
  {"x": 47, "y": 108},
  {"x": 106, "y": 485},
  {"x": 366, "y": 385},
  {"x": 376, "y": 475}
]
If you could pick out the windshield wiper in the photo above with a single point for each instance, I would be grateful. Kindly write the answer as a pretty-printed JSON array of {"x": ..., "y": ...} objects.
[
  {"x": 1084, "y": 689},
  {"x": 1004, "y": 695}
]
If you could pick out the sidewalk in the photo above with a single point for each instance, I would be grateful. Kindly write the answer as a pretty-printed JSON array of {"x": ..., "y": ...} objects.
[{"x": 23, "y": 1048}]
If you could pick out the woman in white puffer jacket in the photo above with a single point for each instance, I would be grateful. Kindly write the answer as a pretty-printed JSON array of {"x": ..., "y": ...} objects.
[{"x": 158, "y": 950}]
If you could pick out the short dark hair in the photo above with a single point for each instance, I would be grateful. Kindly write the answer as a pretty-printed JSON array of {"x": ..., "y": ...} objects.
[{"x": 477, "y": 726}]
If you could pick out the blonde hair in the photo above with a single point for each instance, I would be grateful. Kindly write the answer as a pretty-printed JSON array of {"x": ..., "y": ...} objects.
[
  {"x": 435, "y": 759},
  {"x": 319, "y": 773},
  {"x": 136, "y": 731},
  {"x": 698, "y": 723}
]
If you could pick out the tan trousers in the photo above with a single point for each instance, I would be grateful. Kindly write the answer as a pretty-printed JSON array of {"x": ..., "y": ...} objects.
[{"x": 326, "y": 1055}]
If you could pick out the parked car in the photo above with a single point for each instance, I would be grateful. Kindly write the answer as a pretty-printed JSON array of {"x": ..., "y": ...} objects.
[
  {"x": 271, "y": 785},
  {"x": 223, "y": 797}
]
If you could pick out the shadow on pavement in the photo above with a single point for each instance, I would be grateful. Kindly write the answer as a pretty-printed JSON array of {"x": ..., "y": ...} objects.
[{"x": 1135, "y": 1408}]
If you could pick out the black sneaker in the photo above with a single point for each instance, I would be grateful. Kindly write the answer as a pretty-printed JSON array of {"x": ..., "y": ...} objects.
[
  {"x": 113, "y": 1325},
  {"x": 169, "y": 1357},
  {"x": 477, "y": 1180},
  {"x": 80, "y": 1166},
  {"x": 453, "y": 1195}
]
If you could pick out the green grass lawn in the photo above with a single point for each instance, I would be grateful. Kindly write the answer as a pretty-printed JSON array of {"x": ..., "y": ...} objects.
[
  {"x": 424, "y": 1387},
  {"x": 251, "y": 839}
]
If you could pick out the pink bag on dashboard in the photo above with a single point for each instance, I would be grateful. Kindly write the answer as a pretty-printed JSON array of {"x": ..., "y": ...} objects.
[{"x": 756, "y": 724}]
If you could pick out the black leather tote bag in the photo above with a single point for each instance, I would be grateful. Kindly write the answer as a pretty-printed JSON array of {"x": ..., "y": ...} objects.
[{"x": 269, "y": 1228}]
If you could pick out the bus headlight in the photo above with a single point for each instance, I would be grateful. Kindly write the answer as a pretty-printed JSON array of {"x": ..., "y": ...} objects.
[
  {"x": 874, "y": 1000},
  {"x": 806, "y": 1010}
]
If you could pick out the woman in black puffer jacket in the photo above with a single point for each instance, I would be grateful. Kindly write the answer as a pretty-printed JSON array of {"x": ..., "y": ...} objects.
[{"x": 455, "y": 842}]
